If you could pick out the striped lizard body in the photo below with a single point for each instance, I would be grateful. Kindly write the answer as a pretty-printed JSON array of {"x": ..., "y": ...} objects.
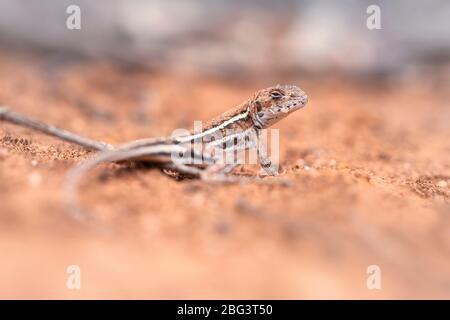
[{"x": 233, "y": 131}]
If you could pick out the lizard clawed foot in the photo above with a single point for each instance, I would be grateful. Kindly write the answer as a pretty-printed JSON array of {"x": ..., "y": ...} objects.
[{"x": 269, "y": 171}]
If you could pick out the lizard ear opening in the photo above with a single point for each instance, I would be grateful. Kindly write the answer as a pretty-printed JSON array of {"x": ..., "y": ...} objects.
[{"x": 258, "y": 106}]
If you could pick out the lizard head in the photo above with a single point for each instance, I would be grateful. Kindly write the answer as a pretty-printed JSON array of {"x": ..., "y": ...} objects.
[{"x": 273, "y": 104}]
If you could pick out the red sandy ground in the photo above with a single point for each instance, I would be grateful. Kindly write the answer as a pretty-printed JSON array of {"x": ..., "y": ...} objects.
[{"x": 368, "y": 165}]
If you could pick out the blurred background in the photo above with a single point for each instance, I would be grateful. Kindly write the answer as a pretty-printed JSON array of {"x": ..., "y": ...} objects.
[
  {"x": 231, "y": 38},
  {"x": 368, "y": 160}
]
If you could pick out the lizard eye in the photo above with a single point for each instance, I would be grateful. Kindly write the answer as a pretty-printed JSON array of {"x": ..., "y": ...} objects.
[{"x": 276, "y": 94}]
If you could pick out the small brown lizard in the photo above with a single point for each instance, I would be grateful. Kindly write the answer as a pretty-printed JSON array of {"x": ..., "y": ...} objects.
[{"x": 233, "y": 131}]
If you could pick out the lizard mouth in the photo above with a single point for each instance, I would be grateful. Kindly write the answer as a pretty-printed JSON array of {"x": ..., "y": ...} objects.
[{"x": 294, "y": 105}]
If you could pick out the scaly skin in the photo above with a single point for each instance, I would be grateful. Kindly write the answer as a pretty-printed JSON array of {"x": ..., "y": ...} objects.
[{"x": 232, "y": 131}]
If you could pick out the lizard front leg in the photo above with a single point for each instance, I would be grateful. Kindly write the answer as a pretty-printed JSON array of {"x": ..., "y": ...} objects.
[{"x": 264, "y": 159}]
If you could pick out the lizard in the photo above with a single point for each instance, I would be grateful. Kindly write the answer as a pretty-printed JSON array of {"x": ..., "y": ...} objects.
[{"x": 235, "y": 130}]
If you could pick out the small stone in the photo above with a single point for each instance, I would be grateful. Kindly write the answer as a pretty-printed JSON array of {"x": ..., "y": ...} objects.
[
  {"x": 34, "y": 162},
  {"x": 300, "y": 163},
  {"x": 307, "y": 168},
  {"x": 35, "y": 179},
  {"x": 332, "y": 163},
  {"x": 3, "y": 153},
  {"x": 442, "y": 184},
  {"x": 223, "y": 226}
]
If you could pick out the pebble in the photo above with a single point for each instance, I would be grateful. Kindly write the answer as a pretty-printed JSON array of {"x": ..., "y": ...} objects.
[
  {"x": 442, "y": 184},
  {"x": 34, "y": 162},
  {"x": 407, "y": 165},
  {"x": 332, "y": 163},
  {"x": 3, "y": 153},
  {"x": 35, "y": 179},
  {"x": 300, "y": 163}
]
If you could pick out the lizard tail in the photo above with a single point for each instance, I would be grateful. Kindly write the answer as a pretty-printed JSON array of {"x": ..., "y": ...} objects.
[{"x": 73, "y": 179}]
